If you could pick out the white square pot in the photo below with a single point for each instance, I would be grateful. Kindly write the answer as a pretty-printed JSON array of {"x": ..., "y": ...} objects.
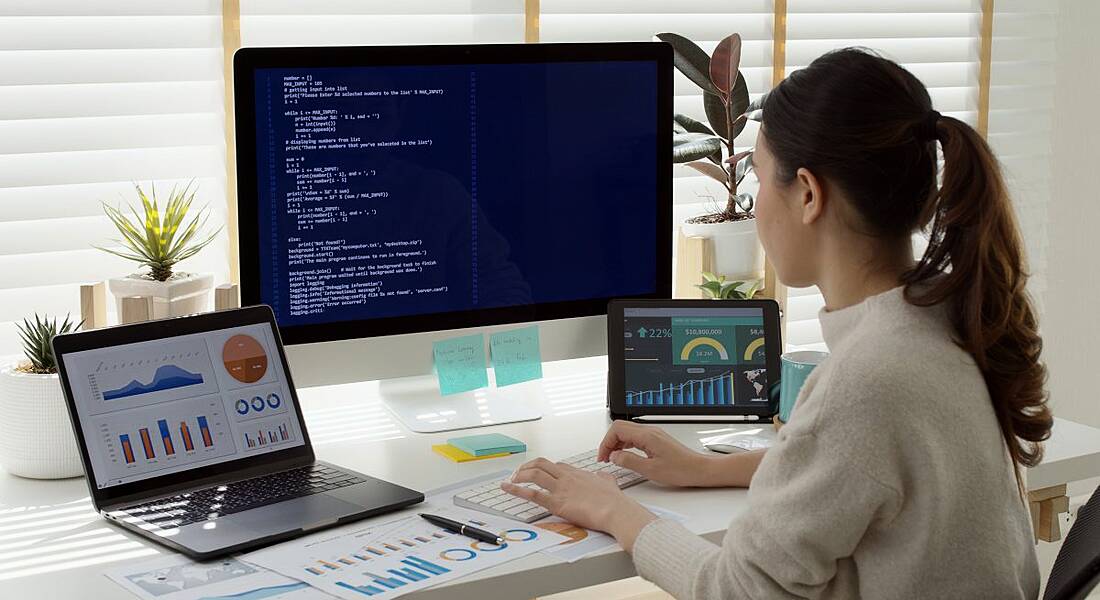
[
  {"x": 36, "y": 435},
  {"x": 182, "y": 294}
]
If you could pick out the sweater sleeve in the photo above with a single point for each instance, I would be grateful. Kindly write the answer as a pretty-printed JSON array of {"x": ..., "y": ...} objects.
[{"x": 809, "y": 506}]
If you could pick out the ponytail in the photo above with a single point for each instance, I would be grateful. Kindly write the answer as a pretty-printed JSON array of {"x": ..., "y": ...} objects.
[
  {"x": 974, "y": 265},
  {"x": 867, "y": 125}
]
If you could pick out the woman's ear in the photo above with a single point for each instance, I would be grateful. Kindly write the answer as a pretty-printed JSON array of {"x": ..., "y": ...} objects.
[{"x": 811, "y": 196}]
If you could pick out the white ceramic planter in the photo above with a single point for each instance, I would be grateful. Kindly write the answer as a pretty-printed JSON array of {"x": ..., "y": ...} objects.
[
  {"x": 182, "y": 294},
  {"x": 737, "y": 251},
  {"x": 36, "y": 435}
]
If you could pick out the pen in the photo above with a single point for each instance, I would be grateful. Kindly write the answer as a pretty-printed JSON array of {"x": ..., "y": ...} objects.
[{"x": 454, "y": 526}]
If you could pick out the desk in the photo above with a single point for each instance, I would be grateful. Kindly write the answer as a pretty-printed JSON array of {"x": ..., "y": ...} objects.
[{"x": 53, "y": 546}]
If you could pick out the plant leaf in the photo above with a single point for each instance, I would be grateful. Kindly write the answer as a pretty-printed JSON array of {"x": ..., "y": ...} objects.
[
  {"x": 755, "y": 110},
  {"x": 690, "y": 60},
  {"x": 724, "y": 62},
  {"x": 726, "y": 119},
  {"x": 711, "y": 170},
  {"x": 745, "y": 202},
  {"x": 687, "y": 147},
  {"x": 743, "y": 165},
  {"x": 712, "y": 288},
  {"x": 708, "y": 276},
  {"x": 690, "y": 125}
]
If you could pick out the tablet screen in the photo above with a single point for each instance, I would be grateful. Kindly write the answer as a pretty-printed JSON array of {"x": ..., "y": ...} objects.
[{"x": 693, "y": 356}]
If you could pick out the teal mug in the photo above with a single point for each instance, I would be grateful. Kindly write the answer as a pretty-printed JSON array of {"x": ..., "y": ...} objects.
[{"x": 795, "y": 367}]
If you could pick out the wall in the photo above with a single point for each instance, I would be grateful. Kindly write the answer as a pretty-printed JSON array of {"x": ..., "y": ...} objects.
[{"x": 1071, "y": 325}]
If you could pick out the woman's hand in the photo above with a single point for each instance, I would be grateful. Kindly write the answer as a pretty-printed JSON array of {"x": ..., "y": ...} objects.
[
  {"x": 586, "y": 499},
  {"x": 666, "y": 460}
]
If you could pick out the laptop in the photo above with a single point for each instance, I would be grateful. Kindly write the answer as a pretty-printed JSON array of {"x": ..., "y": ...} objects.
[{"x": 192, "y": 436}]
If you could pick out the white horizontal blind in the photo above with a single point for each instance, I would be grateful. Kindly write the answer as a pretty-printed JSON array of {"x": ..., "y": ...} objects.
[
  {"x": 94, "y": 96},
  {"x": 937, "y": 40},
  {"x": 380, "y": 22},
  {"x": 706, "y": 22},
  {"x": 1021, "y": 104}
]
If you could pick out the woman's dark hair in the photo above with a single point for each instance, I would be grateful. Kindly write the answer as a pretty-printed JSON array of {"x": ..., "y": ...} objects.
[{"x": 866, "y": 125}]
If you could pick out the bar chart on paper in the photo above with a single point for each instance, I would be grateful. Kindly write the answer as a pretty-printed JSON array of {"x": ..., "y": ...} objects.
[{"x": 392, "y": 559}]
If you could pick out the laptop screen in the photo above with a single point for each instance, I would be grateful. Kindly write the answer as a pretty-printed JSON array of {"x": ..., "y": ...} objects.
[{"x": 164, "y": 406}]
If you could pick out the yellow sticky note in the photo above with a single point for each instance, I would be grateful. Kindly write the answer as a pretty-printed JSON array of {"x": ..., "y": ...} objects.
[{"x": 459, "y": 456}]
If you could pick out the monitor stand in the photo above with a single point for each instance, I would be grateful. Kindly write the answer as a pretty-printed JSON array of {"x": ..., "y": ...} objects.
[{"x": 417, "y": 403}]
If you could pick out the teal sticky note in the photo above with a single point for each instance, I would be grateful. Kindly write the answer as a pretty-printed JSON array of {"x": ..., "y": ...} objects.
[
  {"x": 487, "y": 443},
  {"x": 515, "y": 354},
  {"x": 460, "y": 364}
]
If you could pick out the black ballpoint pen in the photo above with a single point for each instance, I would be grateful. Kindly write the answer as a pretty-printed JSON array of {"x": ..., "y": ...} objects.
[{"x": 461, "y": 528}]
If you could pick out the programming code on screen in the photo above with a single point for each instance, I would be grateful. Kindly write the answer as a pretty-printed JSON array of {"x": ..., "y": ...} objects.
[{"x": 394, "y": 191}]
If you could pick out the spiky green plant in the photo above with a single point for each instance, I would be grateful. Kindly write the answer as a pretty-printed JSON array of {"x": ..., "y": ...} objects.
[
  {"x": 717, "y": 288},
  {"x": 36, "y": 341},
  {"x": 158, "y": 240}
]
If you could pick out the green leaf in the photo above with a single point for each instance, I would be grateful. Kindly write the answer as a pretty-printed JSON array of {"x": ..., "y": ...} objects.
[
  {"x": 711, "y": 170},
  {"x": 687, "y": 147},
  {"x": 690, "y": 125},
  {"x": 713, "y": 288},
  {"x": 708, "y": 276},
  {"x": 724, "y": 62},
  {"x": 755, "y": 110},
  {"x": 690, "y": 60},
  {"x": 745, "y": 202},
  {"x": 741, "y": 166}
]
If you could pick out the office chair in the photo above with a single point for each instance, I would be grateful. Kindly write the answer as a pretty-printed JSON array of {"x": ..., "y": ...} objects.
[{"x": 1076, "y": 571}]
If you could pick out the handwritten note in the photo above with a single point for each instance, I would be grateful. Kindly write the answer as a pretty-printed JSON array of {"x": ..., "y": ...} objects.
[
  {"x": 516, "y": 356},
  {"x": 460, "y": 364}
]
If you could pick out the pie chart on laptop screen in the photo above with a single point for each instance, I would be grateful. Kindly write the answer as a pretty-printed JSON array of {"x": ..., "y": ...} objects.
[{"x": 244, "y": 358}]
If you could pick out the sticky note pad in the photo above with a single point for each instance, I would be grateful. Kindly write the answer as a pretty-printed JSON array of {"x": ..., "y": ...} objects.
[
  {"x": 459, "y": 456},
  {"x": 460, "y": 364},
  {"x": 515, "y": 354},
  {"x": 487, "y": 444}
]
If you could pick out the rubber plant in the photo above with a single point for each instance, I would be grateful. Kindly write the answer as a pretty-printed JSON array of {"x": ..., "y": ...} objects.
[{"x": 708, "y": 147}]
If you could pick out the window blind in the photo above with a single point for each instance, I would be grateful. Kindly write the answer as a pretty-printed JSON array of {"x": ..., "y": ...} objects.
[
  {"x": 95, "y": 96},
  {"x": 1021, "y": 102},
  {"x": 937, "y": 40},
  {"x": 371, "y": 22}
]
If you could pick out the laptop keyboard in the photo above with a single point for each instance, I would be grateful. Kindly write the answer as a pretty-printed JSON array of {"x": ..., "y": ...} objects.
[{"x": 226, "y": 499}]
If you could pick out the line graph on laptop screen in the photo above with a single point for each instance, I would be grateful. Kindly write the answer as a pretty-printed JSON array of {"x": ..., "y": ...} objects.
[{"x": 163, "y": 406}]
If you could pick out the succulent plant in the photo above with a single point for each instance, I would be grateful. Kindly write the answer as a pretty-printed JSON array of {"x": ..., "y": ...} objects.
[
  {"x": 158, "y": 240},
  {"x": 36, "y": 341}
]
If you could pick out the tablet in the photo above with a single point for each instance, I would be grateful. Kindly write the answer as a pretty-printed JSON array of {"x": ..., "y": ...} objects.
[{"x": 693, "y": 358}]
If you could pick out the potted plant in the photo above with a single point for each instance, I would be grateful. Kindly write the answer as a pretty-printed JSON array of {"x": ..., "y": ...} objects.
[
  {"x": 709, "y": 149},
  {"x": 159, "y": 241},
  {"x": 717, "y": 288},
  {"x": 36, "y": 434}
]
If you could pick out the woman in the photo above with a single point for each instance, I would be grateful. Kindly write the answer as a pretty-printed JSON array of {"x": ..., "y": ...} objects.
[{"x": 899, "y": 474}]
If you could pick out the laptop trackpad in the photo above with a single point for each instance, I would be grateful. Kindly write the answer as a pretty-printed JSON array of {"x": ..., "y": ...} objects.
[{"x": 308, "y": 512}]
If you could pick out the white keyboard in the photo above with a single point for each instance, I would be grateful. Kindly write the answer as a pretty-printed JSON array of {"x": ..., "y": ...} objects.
[{"x": 489, "y": 498}]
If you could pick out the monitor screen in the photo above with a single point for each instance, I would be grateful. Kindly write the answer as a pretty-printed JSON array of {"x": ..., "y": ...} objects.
[
  {"x": 404, "y": 191},
  {"x": 684, "y": 357},
  {"x": 169, "y": 405}
]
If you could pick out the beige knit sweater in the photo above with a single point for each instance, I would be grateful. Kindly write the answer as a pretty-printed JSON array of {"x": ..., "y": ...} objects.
[{"x": 891, "y": 480}]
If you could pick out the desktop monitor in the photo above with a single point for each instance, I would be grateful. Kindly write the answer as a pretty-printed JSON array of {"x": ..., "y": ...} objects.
[{"x": 391, "y": 196}]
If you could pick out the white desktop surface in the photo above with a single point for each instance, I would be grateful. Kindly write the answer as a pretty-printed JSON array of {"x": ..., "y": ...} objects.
[{"x": 52, "y": 545}]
